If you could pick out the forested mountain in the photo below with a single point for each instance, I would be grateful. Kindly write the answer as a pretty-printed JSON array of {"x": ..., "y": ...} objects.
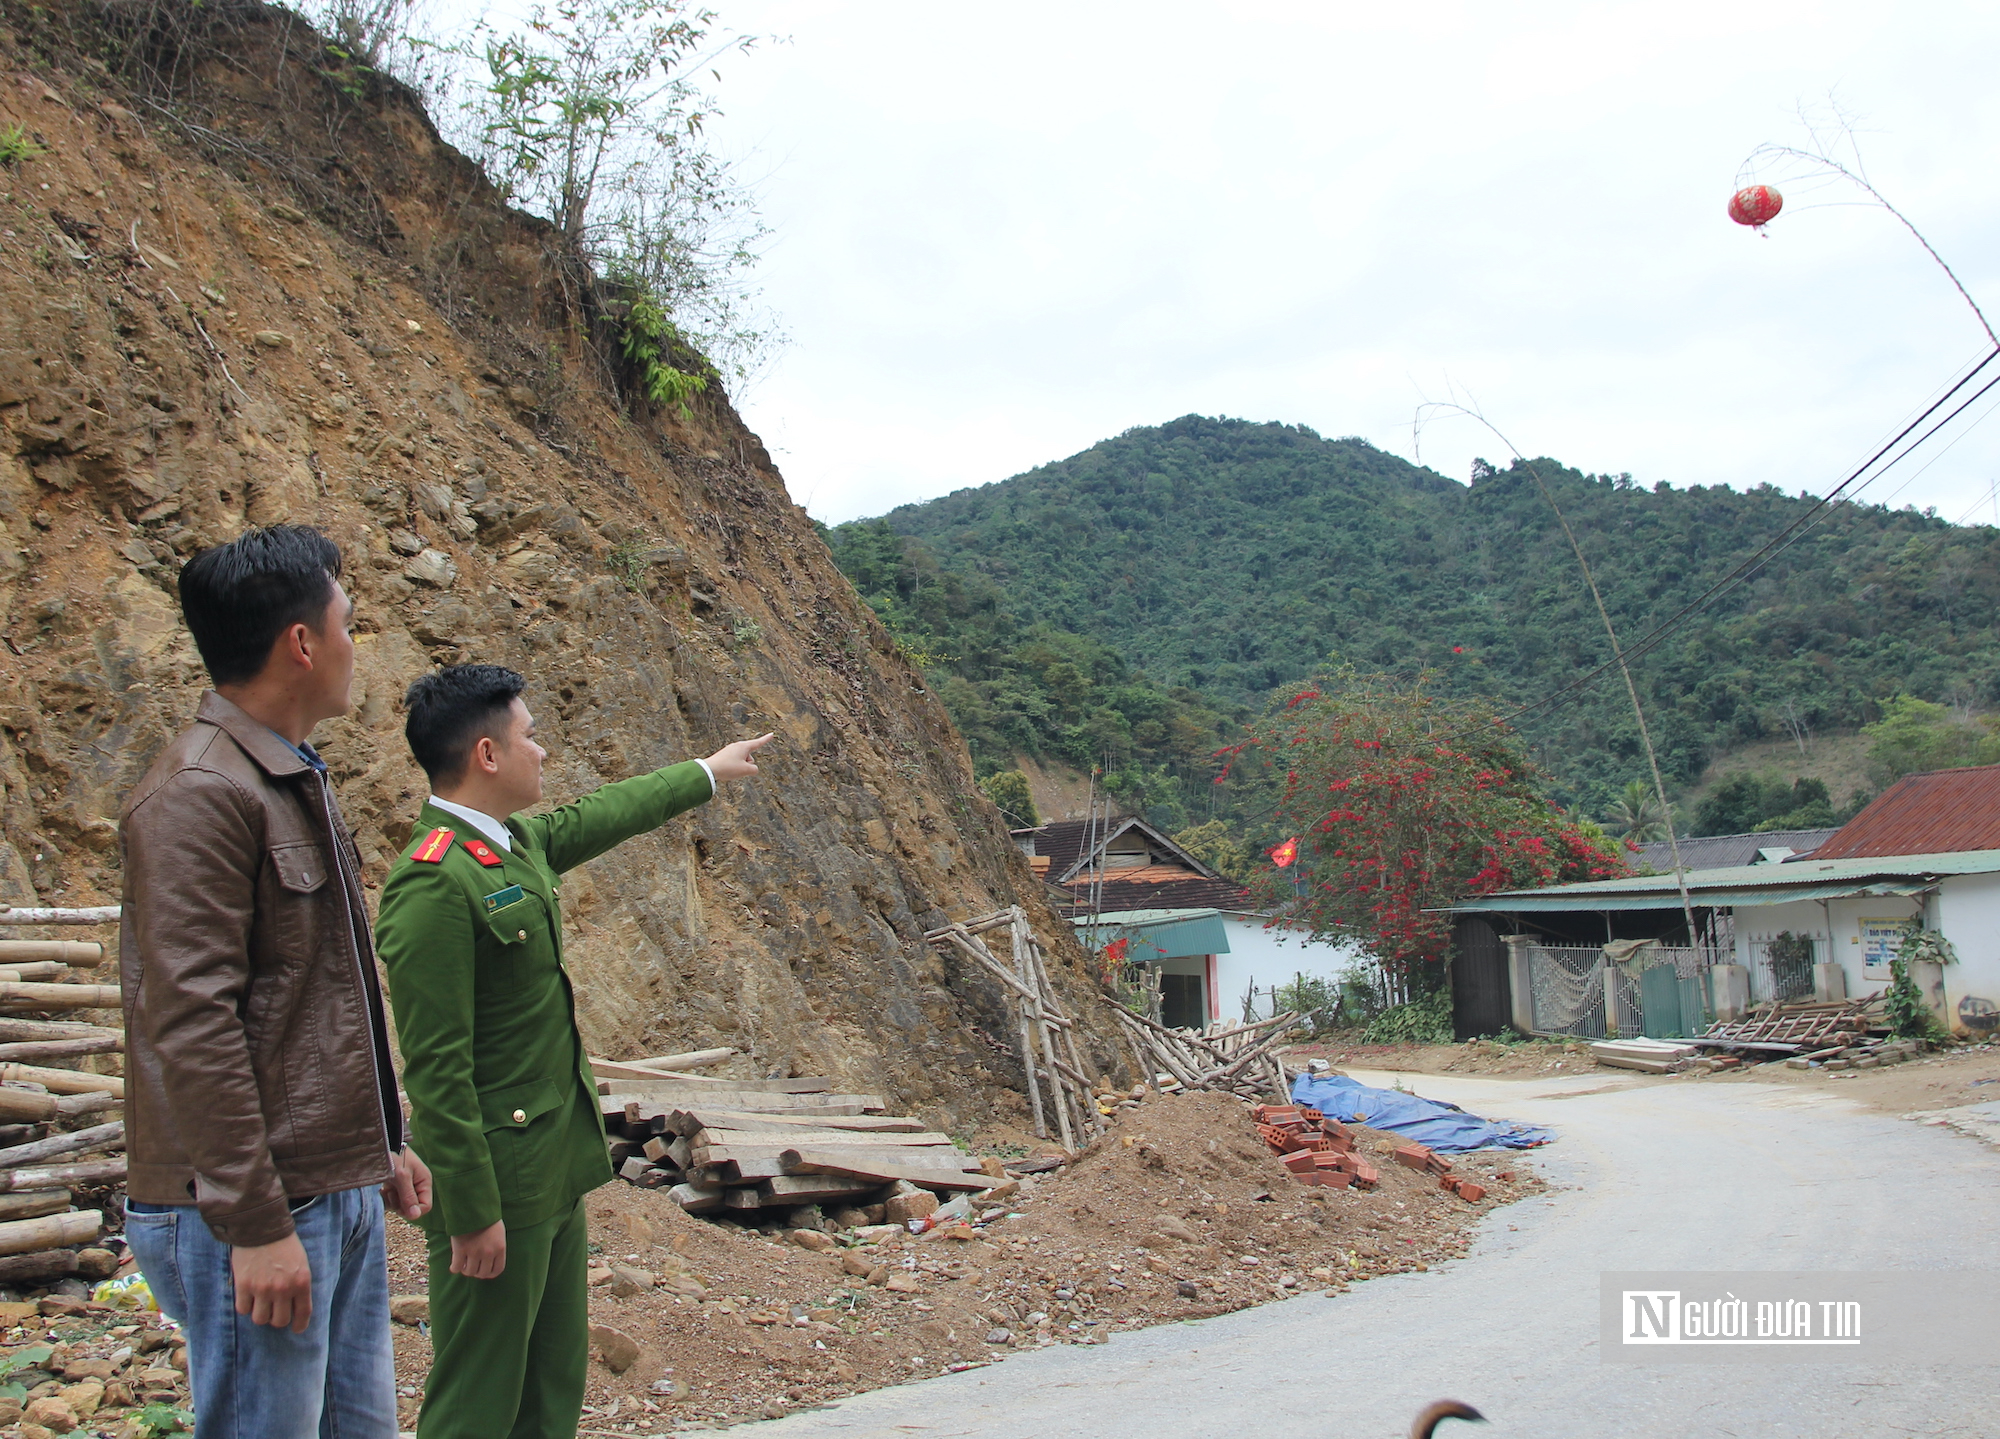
[{"x": 1222, "y": 558}]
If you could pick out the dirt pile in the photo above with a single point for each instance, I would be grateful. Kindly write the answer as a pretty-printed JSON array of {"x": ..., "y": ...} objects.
[
  {"x": 258, "y": 287},
  {"x": 1180, "y": 1212}
]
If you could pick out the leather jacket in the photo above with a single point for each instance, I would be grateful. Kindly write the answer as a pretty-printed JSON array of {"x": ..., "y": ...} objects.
[{"x": 256, "y": 1055}]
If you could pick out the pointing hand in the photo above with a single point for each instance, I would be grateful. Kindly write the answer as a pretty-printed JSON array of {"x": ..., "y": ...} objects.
[{"x": 733, "y": 761}]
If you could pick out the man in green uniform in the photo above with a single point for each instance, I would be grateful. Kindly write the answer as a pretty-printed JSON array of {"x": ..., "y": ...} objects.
[{"x": 501, "y": 1093}]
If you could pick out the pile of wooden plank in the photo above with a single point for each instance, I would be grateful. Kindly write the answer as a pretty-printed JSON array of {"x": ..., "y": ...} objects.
[
  {"x": 747, "y": 1146},
  {"x": 1648, "y": 1056},
  {"x": 1240, "y": 1059},
  {"x": 1048, "y": 1051},
  {"x": 1802, "y": 1027},
  {"x": 56, "y": 1136}
]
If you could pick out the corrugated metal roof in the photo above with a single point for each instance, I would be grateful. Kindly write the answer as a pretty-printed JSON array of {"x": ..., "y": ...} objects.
[
  {"x": 1748, "y": 884},
  {"x": 1155, "y": 934},
  {"x": 1190, "y": 891},
  {"x": 1946, "y": 809},
  {"x": 1718, "y": 851},
  {"x": 1554, "y": 900}
]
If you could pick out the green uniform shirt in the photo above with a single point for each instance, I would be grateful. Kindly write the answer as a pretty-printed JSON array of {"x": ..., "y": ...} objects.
[{"x": 503, "y": 1104}]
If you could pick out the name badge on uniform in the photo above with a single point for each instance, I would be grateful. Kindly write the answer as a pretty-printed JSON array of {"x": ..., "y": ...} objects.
[{"x": 501, "y": 898}]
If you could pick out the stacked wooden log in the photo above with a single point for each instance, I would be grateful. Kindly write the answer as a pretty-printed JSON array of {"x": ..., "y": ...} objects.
[
  {"x": 752, "y": 1147},
  {"x": 1049, "y": 1055},
  {"x": 1240, "y": 1059},
  {"x": 54, "y": 1126}
]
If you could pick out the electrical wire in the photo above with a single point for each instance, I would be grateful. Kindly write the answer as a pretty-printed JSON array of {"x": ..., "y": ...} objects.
[{"x": 1779, "y": 542}]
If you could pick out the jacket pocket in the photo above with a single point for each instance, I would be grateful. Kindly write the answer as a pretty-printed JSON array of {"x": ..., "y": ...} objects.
[
  {"x": 300, "y": 868},
  {"x": 524, "y": 1125}
]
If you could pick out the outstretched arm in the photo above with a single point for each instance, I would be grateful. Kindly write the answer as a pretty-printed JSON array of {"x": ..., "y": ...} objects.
[{"x": 612, "y": 814}]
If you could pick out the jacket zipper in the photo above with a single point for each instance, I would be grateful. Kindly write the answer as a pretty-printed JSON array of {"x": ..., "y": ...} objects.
[{"x": 377, "y": 1030}]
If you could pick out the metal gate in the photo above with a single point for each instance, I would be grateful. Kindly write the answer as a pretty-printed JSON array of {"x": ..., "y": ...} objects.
[
  {"x": 1481, "y": 997},
  {"x": 1573, "y": 986}
]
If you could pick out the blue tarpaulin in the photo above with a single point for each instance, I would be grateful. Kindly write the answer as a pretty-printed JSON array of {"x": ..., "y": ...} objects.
[{"x": 1430, "y": 1122}]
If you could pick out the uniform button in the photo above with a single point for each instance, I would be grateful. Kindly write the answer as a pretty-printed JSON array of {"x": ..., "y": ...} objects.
[
  {"x": 521, "y": 934},
  {"x": 520, "y": 1116}
]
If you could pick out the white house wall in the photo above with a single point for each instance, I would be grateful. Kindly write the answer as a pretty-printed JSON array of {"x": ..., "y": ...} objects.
[
  {"x": 1265, "y": 958},
  {"x": 1966, "y": 910}
]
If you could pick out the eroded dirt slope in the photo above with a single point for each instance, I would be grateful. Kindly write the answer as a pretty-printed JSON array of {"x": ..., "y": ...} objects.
[{"x": 252, "y": 289}]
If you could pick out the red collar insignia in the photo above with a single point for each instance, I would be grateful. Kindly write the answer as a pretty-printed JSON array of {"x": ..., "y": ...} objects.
[{"x": 478, "y": 850}]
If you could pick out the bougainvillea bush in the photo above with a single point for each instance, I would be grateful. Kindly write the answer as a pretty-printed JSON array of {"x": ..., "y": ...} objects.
[{"x": 1403, "y": 801}]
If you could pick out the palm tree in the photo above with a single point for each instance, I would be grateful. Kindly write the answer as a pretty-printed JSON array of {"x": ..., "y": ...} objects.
[{"x": 1636, "y": 816}]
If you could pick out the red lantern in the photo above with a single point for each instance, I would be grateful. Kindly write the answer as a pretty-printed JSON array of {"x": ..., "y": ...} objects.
[{"x": 1756, "y": 206}]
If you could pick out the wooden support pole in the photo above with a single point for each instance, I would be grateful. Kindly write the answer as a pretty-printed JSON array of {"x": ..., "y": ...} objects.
[
  {"x": 692, "y": 1059},
  {"x": 105, "y": 914},
  {"x": 21, "y": 1031},
  {"x": 64, "y": 1081},
  {"x": 59, "y": 996},
  {"x": 53, "y": 1231},
  {"x": 33, "y": 1203},
  {"x": 33, "y": 1270},
  {"x": 1025, "y": 1002},
  {"x": 1070, "y": 1061},
  {"x": 62, "y": 1176},
  {"x": 61, "y": 1048},
  {"x": 61, "y": 951},
  {"x": 25, "y": 1104},
  {"x": 1024, "y": 966},
  {"x": 79, "y": 1141}
]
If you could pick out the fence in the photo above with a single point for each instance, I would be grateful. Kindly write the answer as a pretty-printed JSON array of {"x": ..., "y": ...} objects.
[
  {"x": 1781, "y": 965},
  {"x": 1576, "y": 990}
]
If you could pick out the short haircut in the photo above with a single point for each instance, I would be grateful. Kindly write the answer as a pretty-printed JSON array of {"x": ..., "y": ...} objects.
[
  {"x": 451, "y": 710},
  {"x": 237, "y": 598}
]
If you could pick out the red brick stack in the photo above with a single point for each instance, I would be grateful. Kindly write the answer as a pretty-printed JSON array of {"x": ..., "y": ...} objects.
[
  {"x": 1316, "y": 1149},
  {"x": 1426, "y": 1160}
]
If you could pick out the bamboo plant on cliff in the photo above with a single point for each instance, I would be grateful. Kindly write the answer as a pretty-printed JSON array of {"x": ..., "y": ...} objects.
[{"x": 1402, "y": 801}]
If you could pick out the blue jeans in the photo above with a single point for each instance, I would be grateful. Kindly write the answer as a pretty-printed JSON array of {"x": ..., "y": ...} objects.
[{"x": 251, "y": 1381}]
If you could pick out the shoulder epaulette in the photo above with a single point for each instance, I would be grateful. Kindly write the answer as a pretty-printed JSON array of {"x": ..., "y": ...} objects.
[
  {"x": 436, "y": 845},
  {"x": 478, "y": 850}
]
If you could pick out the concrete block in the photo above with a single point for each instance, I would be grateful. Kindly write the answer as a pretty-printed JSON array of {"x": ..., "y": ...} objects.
[
  {"x": 1829, "y": 983},
  {"x": 1729, "y": 990}
]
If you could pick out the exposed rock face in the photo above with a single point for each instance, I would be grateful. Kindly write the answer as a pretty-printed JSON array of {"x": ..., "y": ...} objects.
[{"x": 349, "y": 330}]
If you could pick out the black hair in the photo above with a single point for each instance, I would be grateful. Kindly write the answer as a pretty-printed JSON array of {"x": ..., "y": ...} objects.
[
  {"x": 452, "y": 709},
  {"x": 237, "y": 598}
]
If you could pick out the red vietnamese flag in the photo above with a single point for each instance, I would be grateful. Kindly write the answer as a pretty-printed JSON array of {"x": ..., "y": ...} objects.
[{"x": 1285, "y": 853}]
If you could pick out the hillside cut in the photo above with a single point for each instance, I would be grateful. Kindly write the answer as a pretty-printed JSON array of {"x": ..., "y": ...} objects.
[{"x": 240, "y": 285}]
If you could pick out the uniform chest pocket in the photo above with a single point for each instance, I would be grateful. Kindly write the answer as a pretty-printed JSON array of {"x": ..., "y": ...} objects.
[{"x": 516, "y": 917}]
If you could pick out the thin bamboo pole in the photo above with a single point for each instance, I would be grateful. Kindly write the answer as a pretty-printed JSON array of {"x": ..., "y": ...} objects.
[
  {"x": 1024, "y": 964},
  {"x": 1088, "y": 1120},
  {"x": 1023, "y": 1002}
]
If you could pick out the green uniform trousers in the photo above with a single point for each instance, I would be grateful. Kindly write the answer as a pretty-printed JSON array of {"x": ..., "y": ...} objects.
[{"x": 508, "y": 1355}]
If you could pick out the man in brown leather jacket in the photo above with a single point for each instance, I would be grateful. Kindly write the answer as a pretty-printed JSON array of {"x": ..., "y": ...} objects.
[{"x": 262, "y": 1113}]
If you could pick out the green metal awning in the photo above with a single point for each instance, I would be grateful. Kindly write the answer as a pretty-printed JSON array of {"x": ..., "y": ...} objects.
[
  {"x": 1670, "y": 899},
  {"x": 1160, "y": 933}
]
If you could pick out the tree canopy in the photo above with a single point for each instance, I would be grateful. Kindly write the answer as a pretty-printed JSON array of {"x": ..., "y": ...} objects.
[
  {"x": 1402, "y": 801},
  {"x": 1224, "y": 560}
]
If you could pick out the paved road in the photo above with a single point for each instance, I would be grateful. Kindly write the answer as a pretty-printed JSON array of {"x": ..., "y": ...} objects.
[{"x": 1674, "y": 1176}]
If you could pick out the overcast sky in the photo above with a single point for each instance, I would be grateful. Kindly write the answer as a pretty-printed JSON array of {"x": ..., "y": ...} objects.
[{"x": 1005, "y": 233}]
